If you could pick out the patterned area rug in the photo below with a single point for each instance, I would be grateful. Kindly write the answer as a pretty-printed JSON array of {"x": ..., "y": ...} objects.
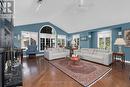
[{"x": 84, "y": 72}]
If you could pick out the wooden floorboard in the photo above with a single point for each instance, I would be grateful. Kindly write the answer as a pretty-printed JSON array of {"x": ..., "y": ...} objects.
[{"x": 37, "y": 72}]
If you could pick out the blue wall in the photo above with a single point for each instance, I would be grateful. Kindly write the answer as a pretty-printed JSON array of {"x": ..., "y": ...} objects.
[
  {"x": 34, "y": 28},
  {"x": 89, "y": 43},
  {"x": 83, "y": 43},
  {"x": 126, "y": 49},
  {"x": 92, "y": 43}
]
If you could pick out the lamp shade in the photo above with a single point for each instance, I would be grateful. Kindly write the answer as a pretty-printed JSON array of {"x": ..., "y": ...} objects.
[{"x": 120, "y": 41}]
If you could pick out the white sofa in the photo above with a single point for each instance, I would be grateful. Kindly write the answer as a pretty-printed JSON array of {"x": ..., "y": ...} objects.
[
  {"x": 96, "y": 55},
  {"x": 56, "y": 53}
]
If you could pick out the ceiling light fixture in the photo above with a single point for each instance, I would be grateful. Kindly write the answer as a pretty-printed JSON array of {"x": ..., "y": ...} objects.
[
  {"x": 39, "y": 1},
  {"x": 81, "y": 3},
  {"x": 39, "y": 4}
]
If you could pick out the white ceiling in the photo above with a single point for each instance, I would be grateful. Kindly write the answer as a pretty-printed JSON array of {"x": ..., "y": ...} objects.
[{"x": 67, "y": 14}]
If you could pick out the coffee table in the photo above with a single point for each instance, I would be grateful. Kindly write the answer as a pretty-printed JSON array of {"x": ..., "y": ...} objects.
[{"x": 75, "y": 60}]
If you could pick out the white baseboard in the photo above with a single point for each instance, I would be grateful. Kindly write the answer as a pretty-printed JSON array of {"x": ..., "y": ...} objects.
[
  {"x": 36, "y": 55},
  {"x": 24, "y": 56},
  {"x": 39, "y": 54},
  {"x": 125, "y": 61}
]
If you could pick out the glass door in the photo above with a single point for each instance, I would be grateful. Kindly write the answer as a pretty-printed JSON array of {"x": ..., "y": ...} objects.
[
  {"x": 48, "y": 42},
  {"x": 76, "y": 39},
  {"x": 49, "y": 34},
  {"x": 101, "y": 43},
  {"x": 52, "y": 42},
  {"x": 42, "y": 44},
  {"x": 104, "y": 40}
]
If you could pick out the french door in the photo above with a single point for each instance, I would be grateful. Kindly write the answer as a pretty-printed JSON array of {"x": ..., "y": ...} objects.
[
  {"x": 76, "y": 38},
  {"x": 104, "y": 40},
  {"x": 47, "y": 41}
]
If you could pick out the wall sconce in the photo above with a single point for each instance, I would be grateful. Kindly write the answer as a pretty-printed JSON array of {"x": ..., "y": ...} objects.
[
  {"x": 18, "y": 37},
  {"x": 89, "y": 36},
  {"x": 15, "y": 37},
  {"x": 119, "y": 33}
]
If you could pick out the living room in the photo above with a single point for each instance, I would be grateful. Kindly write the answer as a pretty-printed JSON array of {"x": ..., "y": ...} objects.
[{"x": 75, "y": 43}]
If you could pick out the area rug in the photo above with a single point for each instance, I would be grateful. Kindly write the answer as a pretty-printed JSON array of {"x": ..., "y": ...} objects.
[{"x": 86, "y": 73}]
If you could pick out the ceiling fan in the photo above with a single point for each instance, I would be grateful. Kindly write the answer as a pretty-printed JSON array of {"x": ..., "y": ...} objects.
[
  {"x": 39, "y": 2},
  {"x": 85, "y": 4},
  {"x": 81, "y": 3}
]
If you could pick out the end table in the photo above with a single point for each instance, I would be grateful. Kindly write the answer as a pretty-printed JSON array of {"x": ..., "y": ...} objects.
[{"x": 118, "y": 54}]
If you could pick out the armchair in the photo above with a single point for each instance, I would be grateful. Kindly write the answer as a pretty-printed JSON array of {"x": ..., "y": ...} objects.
[{"x": 32, "y": 50}]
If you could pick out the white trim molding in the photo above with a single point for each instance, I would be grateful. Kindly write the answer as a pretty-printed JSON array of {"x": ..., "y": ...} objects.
[
  {"x": 125, "y": 60},
  {"x": 44, "y": 35}
]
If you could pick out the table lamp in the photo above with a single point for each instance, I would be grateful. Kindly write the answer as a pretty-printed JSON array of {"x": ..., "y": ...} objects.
[{"x": 120, "y": 42}]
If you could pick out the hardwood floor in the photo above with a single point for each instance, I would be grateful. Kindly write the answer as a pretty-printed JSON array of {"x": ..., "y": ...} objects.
[{"x": 37, "y": 72}]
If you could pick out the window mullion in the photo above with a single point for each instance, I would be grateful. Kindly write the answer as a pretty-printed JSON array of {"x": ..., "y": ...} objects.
[{"x": 104, "y": 43}]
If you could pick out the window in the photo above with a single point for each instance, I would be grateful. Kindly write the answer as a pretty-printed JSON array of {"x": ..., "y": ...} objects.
[
  {"x": 76, "y": 38},
  {"x": 42, "y": 43},
  {"x": 47, "y": 37},
  {"x": 46, "y": 29},
  {"x": 28, "y": 38},
  {"x": 104, "y": 40},
  {"x": 47, "y": 41},
  {"x": 61, "y": 40}
]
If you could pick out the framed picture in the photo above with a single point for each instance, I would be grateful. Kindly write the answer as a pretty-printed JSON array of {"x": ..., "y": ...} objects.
[{"x": 127, "y": 37}]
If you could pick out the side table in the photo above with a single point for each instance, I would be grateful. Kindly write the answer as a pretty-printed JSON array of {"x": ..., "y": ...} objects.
[{"x": 117, "y": 54}]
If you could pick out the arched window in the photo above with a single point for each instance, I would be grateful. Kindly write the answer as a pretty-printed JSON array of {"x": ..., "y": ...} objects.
[
  {"x": 46, "y": 29},
  {"x": 47, "y": 37}
]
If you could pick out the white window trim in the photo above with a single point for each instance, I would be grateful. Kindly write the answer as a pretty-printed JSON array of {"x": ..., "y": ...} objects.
[
  {"x": 103, "y": 32},
  {"x": 44, "y": 35},
  {"x": 76, "y": 36},
  {"x": 28, "y": 33},
  {"x": 62, "y": 37}
]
